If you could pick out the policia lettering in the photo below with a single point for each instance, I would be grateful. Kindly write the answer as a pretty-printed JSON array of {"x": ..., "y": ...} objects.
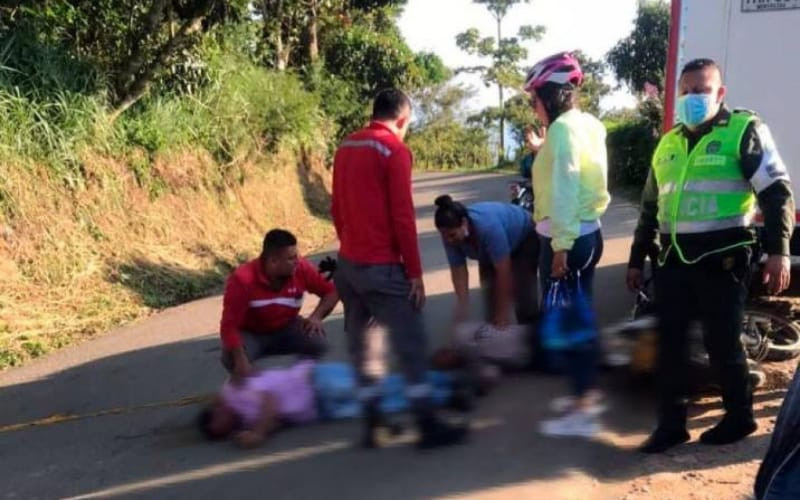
[{"x": 703, "y": 190}]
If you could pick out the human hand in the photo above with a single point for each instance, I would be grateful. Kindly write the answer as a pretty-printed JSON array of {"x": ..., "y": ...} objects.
[
  {"x": 559, "y": 268},
  {"x": 313, "y": 327},
  {"x": 534, "y": 141},
  {"x": 777, "y": 275},
  {"x": 241, "y": 367},
  {"x": 417, "y": 293},
  {"x": 501, "y": 322},
  {"x": 634, "y": 279},
  {"x": 248, "y": 439}
]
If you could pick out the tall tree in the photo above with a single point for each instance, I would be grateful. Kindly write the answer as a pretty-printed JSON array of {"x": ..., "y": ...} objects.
[
  {"x": 641, "y": 57},
  {"x": 593, "y": 88},
  {"x": 504, "y": 54},
  {"x": 128, "y": 42}
]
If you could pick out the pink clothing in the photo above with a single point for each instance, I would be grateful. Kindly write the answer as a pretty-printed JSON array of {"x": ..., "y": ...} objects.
[{"x": 291, "y": 388}]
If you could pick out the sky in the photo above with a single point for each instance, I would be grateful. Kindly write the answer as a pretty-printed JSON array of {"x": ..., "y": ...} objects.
[{"x": 593, "y": 26}]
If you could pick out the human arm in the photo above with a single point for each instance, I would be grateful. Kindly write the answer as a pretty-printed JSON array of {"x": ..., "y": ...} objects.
[
  {"x": 763, "y": 167},
  {"x": 495, "y": 244},
  {"x": 234, "y": 310},
  {"x": 645, "y": 236},
  {"x": 401, "y": 209},
  {"x": 565, "y": 188},
  {"x": 460, "y": 278},
  {"x": 266, "y": 424},
  {"x": 317, "y": 284}
]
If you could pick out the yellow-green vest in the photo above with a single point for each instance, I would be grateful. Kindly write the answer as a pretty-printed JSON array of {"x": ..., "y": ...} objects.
[{"x": 704, "y": 190}]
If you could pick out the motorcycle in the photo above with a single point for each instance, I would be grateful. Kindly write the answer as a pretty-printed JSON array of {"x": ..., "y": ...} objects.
[
  {"x": 522, "y": 194},
  {"x": 768, "y": 334}
]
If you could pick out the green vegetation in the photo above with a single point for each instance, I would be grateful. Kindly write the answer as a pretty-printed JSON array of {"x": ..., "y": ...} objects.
[
  {"x": 146, "y": 145},
  {"x": 639, "y": 60}
]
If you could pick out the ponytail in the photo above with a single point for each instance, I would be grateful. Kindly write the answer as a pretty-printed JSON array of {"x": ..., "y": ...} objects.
[{"x": 450, "y": 214}]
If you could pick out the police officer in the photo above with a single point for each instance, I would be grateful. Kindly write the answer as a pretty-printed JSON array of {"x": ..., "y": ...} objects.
[{"x": 707, "y": 174}]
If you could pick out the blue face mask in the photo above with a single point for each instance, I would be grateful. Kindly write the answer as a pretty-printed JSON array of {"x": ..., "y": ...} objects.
[{"x": 695, "y": 109}]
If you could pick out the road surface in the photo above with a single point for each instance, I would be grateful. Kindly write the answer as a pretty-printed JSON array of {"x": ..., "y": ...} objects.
[{"x": 135, "y": 436}]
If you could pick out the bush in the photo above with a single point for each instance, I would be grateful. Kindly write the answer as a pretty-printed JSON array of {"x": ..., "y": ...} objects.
[
  {"x": 450, "y": 145},
  {"x": 630, "y": 150},
  {"x": 632, "y": 140}
]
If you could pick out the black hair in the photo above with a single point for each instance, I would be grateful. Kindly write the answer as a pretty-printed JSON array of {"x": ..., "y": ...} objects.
[
  {"x": 204, "y": 424},
  {"x": 276, "y": 240},
  {"x": 557, "y": 98},
  {"x": 389, "y": 104},
  {"x": 698, "y": 64},
  {"x": 449, "y": 214}
]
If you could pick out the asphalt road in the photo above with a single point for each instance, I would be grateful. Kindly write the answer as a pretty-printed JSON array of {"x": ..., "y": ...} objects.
[{"x": 123, "y": 447}]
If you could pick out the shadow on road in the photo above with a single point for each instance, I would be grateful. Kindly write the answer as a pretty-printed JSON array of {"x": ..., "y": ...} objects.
[{"x": 156, "y": 452}]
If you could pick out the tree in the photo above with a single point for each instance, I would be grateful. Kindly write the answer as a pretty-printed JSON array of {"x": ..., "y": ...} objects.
[
  {"x": 291, "y": 28},
  {"x": 593, "y": 88},
  {"x": 642, "y": 56},
  {"x": 128, "y": 43},
  {"x": 440, "y": 137},
  {"x": 504, "y": 53}
]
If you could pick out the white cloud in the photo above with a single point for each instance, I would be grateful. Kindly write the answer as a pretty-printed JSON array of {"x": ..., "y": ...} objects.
[{"x": 593, "y": 26}]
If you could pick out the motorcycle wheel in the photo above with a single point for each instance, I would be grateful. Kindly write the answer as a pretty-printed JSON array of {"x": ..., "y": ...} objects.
[{"x": 780, "y": 336}]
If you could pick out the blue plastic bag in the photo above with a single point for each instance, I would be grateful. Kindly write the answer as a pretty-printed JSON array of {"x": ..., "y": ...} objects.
[{"x": 568, "y": 319}]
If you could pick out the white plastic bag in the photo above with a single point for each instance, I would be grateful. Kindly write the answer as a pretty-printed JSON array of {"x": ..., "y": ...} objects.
[{"x": 507, "y": 347}]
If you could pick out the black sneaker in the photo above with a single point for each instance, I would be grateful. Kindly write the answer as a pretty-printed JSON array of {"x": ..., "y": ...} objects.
[
  {"x": 729, "y": 430},
  {"x": 374, "y": 421},
  {"x": 662, "y": 439},
  {"x": 435, "y": 433}
]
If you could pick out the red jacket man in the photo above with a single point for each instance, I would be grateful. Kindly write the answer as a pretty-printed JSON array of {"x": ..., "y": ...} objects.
[
  {"x": 379, "y": 272},
  {"x": 261, "y": 308}
]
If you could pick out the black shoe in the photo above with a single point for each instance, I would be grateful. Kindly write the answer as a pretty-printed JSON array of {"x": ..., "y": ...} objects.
[
  {"x": 435, "y": 433},
  {"x": 729, "y": 430},
  {"x": 662, "y": 439},
  {"x": 374, "y": 421}
]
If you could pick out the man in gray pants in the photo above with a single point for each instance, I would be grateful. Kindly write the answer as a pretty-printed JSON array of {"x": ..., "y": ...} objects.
[{"x": 380, "y": 273}]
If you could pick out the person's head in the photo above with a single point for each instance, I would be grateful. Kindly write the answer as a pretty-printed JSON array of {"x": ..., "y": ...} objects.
[
  {"x": 451, "y": 220},
  {"x": 217, "y": 421},
  {"x": 279, "y": 254},
  {"x": 700, "y": 92},
  {"x": 552, "y": 84},
  {"x": 392, "y": 107}
]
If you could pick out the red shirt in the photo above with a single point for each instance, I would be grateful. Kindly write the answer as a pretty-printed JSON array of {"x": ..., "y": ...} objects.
[
  {"x": 251, "y": 305},
  {"x": 372, "y": 206}
]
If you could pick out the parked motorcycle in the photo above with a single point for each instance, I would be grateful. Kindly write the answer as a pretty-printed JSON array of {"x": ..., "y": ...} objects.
[
  {"x": 768, "y": 334},
  {"x": 522, "y": 194}
]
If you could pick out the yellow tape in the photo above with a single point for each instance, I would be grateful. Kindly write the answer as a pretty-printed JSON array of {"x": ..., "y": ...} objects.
[{"x": 61, "y": 418}]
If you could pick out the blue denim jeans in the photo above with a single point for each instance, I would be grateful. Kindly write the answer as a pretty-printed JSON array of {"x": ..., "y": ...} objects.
[
  {"x": 778, "y": 477},
  {"x": 581, "y": 360}
]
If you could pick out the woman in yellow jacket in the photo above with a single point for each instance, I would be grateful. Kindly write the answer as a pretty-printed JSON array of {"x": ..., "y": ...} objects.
[{"x": 570, "y": 189}]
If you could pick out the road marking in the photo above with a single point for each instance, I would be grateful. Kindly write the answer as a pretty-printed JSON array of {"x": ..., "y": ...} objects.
[
  {"x": 62, "y": 418},
  {"x": 203, "y": 473}
]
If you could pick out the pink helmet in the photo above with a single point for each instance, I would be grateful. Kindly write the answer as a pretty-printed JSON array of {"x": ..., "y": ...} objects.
[{"x": 560, "y": 68}]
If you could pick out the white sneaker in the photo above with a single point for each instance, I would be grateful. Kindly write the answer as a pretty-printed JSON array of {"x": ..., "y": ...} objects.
[
  {"x": 573, "y": 424},
  {"x": 564, "y": 404}
]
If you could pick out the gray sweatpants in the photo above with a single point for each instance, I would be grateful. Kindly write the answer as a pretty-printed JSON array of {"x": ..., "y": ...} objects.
[
  {"x": 381, "y": 292},
  {"x": 289, "y": 340}
]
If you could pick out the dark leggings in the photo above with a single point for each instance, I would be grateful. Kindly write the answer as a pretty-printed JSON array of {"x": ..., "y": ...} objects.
[{"x": 581, "y": 360}]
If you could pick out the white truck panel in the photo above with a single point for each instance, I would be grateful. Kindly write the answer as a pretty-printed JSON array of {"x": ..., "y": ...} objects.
[{"x": 757, "y": 44}]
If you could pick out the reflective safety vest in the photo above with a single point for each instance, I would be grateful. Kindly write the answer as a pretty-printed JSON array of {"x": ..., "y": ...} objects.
[{"x": 703, "y": 190}]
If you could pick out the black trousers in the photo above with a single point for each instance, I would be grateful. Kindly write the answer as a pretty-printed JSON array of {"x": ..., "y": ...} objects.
[{"x": 712, "y": 291}]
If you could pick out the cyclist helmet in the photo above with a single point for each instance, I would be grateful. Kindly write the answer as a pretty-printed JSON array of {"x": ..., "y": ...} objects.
[{"x": 562, "y": 69}]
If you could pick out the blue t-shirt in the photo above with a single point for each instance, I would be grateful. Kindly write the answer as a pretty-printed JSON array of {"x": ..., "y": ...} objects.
[{"x": 497, "y": 229}]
